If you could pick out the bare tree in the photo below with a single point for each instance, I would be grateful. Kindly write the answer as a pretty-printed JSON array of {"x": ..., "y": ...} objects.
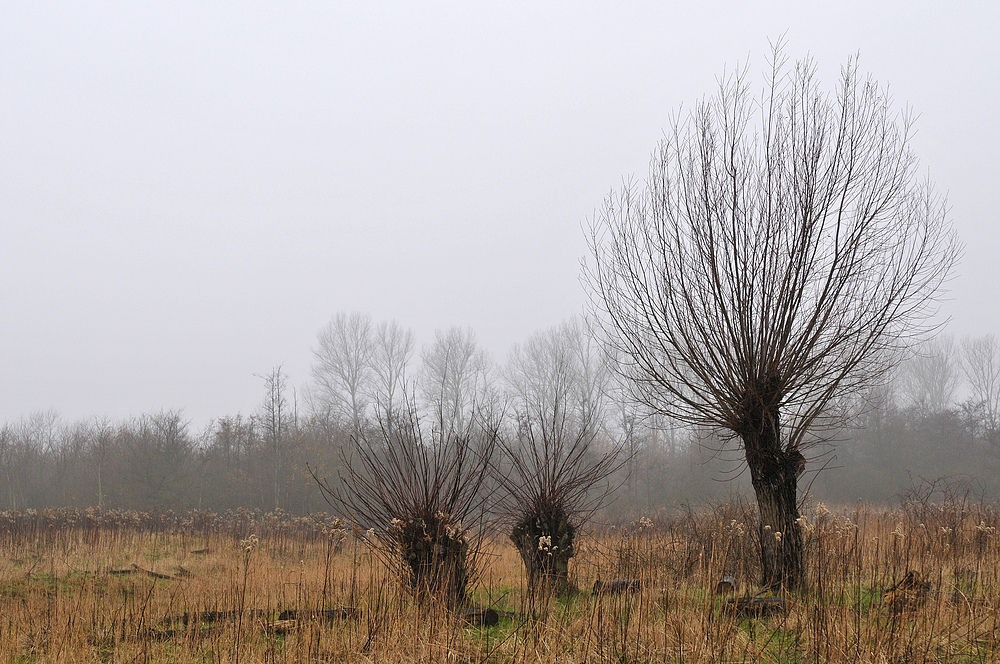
[
  {"x": 102, "y": 439},
  {"x": 551, "y": 469},
  {"x": 276, "y": 420},
  {"x": 391, "y": 355},
  {"x": 981, "y": 365},
  {"x": 763, "y": 272},
  {"x": 157, "y": 448},
  {"x": 26, "y": 448},
  {"x": 930, "y": 379},
  {"x": 9, "y": 453},
  {"x": 454, "y": 379},
  {"x": 343, "y": 368}
]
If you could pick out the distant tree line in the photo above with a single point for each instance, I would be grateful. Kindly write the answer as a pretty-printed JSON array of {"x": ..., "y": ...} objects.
[{"x": 939, "y": 416}]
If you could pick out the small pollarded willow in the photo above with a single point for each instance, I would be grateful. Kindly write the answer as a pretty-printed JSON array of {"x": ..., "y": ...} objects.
[
  {"x": 419, "y": 498},
  {"x": 552, "y": 467},
  {"x": 781, "y": 254}
]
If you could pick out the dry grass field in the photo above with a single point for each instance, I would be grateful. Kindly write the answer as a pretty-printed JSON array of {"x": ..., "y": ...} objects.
[{"x": 249, "y": 587}]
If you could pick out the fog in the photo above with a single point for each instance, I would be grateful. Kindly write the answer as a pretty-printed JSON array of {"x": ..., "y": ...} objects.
[{"x": 190, "y": 191}]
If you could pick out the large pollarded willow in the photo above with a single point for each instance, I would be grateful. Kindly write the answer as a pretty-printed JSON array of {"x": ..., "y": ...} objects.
[{"x": 782, "y": 254}]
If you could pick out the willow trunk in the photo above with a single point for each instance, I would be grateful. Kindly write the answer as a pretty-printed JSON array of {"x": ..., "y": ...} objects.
[{"x": 774, "y": 474}]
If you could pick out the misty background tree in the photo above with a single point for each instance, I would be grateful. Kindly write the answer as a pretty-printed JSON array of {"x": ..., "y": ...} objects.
[
  {"x": 276, "y": 419},
  {"x": 360, "y": 371},
  {"x": 781, "y": 256},
  {"x": 981, "y": 366},
  {"x": 342, "y": 372},
  {"x": 930, "y": 379},
  {"x": 454, "y": 380}
]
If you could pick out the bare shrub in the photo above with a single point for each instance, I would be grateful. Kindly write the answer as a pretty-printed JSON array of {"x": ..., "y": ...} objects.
[
  {"x": 551, "y": 470},
  {"x": 416, "y": 499}
]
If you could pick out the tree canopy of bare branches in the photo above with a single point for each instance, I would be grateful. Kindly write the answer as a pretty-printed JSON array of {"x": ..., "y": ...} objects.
[
  {"x": 342, "y": 371},
  {"x": 930, "y": 379},
  {"x": 981, "y": 365},
  {"x": 454, "y": 379},
  {"x": 782, "y": 253},
  {"x": 393, "y": 350},
  {"x": 360, "y": 371}
]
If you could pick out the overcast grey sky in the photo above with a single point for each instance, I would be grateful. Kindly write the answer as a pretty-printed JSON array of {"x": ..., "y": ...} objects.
[{"x": 189, "y": 190}]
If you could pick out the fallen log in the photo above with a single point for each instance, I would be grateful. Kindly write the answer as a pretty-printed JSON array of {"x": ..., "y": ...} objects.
[
  {"x": 212, "y": 616},
  {"x": 155, "y": 575},
  {"x": 480, "y": 617},
  {"x": 617, "y": 587},
  {"x": 164, "y": 634},
  {"x": 969, "y": 603},
  {"x": 756, "y": 607},
  {"x": 281, "y": 626},
  {"x": 330, "y": 615}
]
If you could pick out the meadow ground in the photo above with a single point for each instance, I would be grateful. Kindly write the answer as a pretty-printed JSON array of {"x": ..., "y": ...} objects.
[{"x": 93, "y": 586}]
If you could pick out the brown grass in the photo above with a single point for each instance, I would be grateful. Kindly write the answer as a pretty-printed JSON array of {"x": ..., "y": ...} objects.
[{"x": 76, "y": 587}]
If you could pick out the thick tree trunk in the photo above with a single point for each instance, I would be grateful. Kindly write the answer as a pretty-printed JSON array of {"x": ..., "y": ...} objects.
[
  {"x": 436, "y": 557},
  {"x": 774, "y": 473},
  {"x": 545, "y": 539},
  {"x": 780, "y": 537}
]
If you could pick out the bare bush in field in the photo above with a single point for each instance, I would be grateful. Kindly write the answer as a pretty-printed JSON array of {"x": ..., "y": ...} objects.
[{"x": 420, "y": 501}]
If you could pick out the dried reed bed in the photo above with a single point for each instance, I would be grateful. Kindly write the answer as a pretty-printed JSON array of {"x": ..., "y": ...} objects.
[{"x": 201, "y": 587}]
